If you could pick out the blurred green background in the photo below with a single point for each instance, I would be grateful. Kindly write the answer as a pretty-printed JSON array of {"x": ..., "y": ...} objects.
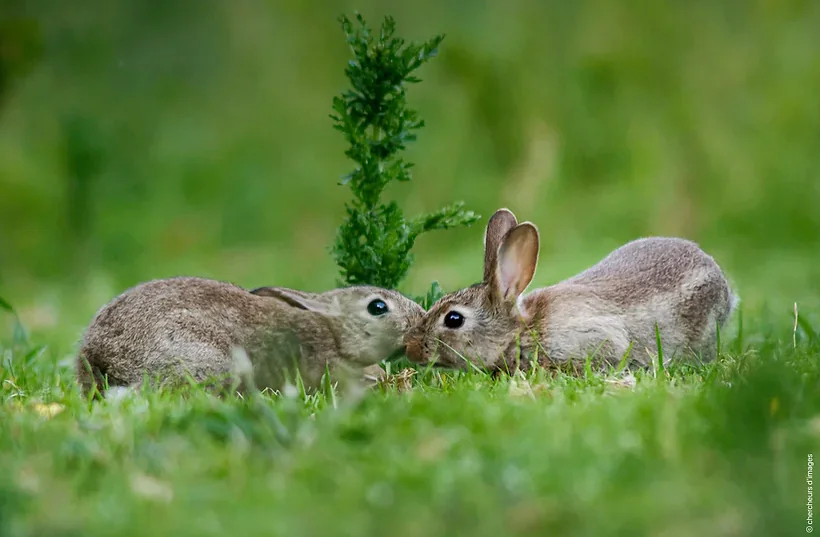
[{"x": 148, "y": 139}]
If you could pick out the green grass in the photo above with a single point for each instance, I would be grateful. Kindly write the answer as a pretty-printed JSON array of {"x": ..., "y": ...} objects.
[{"x": 713, "y": 450}]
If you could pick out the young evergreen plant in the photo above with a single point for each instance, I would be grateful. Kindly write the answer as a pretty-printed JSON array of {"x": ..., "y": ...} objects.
[{"x": 373, "y": 244}]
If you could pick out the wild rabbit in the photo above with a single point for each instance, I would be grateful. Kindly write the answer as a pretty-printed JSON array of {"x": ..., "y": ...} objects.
[
  {"x": 604, "y": 312},
  {"x": 192, "y": 326}
]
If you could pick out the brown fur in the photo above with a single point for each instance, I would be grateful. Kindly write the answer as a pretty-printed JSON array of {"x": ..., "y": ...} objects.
[
  {"x": 606, "y": 311},
  {"x": 193, "y": 326}
]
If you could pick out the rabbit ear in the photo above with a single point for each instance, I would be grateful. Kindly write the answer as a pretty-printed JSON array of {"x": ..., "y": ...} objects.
[
  {"x": 517, "y": 259},
  {"x": 497, "y": 227},
  {"x": 300, "y": 299}
]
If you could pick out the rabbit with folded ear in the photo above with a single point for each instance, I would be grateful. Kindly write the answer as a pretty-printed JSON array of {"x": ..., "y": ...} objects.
[
  {"x": 606, "y": 311},
  {"x": 193, "y": 326}
]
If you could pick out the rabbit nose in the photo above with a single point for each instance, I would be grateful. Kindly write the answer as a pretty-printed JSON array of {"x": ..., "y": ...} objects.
[{"x": 414, "y": 349}]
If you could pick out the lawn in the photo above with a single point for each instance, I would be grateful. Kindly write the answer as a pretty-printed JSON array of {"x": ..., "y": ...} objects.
[{"x": 713, "y": 450}]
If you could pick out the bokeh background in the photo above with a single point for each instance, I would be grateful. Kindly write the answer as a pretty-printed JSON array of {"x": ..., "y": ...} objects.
[{"x": 148, "y": 139}]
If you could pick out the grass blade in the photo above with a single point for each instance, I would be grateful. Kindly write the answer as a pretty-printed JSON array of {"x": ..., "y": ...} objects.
[
  {"x": 660, "y": 348},
  {"x": 808, "y": 329}
]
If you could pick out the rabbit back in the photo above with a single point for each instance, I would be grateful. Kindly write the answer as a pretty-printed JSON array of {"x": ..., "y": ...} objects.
[
  {"x": 668, "y": 282},
  {"x": 168, "y": 326}
]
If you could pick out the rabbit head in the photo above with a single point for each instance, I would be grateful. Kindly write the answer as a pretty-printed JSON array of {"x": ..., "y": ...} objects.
[
  {"x": 482, "y": 323},
  {"x": 367, "y": 323}
]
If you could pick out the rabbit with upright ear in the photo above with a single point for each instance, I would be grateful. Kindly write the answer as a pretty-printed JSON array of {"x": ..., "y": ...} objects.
[
  {"x": 605, "y": 312},
  {"x": 193, "y": 326}
]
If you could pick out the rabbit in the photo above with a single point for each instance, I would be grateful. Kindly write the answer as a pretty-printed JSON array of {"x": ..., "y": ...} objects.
[
  {"x": 604, "y": 312},
  {"x": 193, "y": 326}
]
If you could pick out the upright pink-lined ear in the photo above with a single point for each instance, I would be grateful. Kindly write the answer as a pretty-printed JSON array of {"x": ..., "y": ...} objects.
[
  {"x": 517, "y": 260},
  {"x": 499, "y": 224}
]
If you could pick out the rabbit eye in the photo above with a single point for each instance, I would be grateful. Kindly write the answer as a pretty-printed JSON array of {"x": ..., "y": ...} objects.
[
  {"x": 377, "y": 307},
  {"x": 453, "y": 320}
]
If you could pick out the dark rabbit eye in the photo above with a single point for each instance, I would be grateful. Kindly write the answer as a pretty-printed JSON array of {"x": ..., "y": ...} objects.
[
  {"x": 377, "y": 307},
  {"x": 453, "y": 319}
]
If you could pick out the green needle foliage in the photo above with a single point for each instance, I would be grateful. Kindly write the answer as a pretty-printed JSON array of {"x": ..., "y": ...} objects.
[{"x": 373, "y": 244}]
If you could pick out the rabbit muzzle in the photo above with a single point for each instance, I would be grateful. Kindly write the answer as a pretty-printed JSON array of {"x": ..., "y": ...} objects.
[{"x": 414, "y": 347}]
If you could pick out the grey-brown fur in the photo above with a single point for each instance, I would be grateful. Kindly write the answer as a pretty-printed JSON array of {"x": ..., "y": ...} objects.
[
  {"x": 193, "y": 326},
  {"x": 601, "y": 312}
]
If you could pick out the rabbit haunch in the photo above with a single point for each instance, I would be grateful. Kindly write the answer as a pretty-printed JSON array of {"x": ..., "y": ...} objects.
[
  {"x": 607, "y": 311},
  {"x": 193, "y": 326}
]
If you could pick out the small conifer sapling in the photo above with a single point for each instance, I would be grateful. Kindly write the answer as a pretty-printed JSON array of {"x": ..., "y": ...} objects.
[{"x": 373, "y": 243}]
